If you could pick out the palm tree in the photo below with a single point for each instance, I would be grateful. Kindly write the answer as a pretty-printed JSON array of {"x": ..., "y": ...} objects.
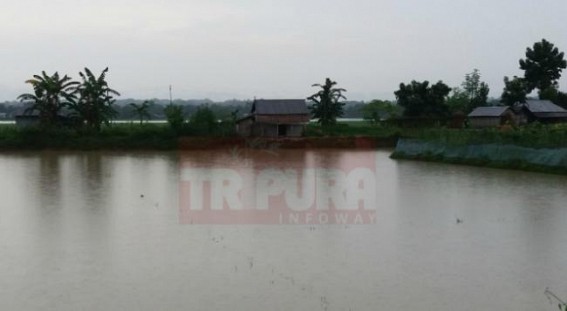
[
  {"x": 51, "y": 94},
  {"x": 95, "y": 99},
  {"x": 141, "y": 110},
  {"x": 327, "y": 105}
]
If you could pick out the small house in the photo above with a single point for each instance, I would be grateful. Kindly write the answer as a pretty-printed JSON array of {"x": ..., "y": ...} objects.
[
  {"x": 275, "y": 118},
  {"x": 491, "y": 116},
  {"x": 543, "y": 111}
]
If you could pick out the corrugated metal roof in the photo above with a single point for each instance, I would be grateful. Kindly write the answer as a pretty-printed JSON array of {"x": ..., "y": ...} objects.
[
  {"x": 488, "y": 111},
  {"x": 544, "y": 115},
  {"x": 537, "y": 106},
  {"x": 279, "y": 106}
]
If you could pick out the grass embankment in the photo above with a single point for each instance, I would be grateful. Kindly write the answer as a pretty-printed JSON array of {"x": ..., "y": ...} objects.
[
  {"x": 532, "y": 148},
  {"x": 116, "y": 137},
  {"x": 152, "y": 136},
  {"x": 351, "y": 129},
  {"x": 531, "y": 136}
]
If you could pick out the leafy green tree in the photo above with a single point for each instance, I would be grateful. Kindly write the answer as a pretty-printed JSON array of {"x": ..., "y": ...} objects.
[
  {"x": 227, "y": 125},
  {"x": 203, "y": 121},
  {"x": 457, "y": 101},
  {"x": 142, "y": 110},
  {"x": 94, "y": 105},
  {"x": 175, "y": 116},
  {"x": 515, "y": 91},
  {"x": 472, "y": 93},
  {"x": 475, "y": 90},
  {"x": 421, "y": 100},
  {"x": 378, "y": 110},
  {"x": 51, "y": 94},
  {"x": 550, "y": 93},
  {"x": 542, "y": 66},
  {"x": 561, "y": 99},
  {"x": 327, "y": 105}
]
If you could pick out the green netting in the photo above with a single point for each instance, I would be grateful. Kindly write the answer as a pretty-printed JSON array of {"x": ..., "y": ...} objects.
[{"x": 491, "y": 152}]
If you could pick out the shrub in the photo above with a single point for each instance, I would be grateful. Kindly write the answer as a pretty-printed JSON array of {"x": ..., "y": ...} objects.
[
  {"x": 175, "y": 116},
  {"x": 203, "y": 122}
]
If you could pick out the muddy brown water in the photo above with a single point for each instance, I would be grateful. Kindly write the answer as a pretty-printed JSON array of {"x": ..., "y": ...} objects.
[{"x": 104, "y": 231}]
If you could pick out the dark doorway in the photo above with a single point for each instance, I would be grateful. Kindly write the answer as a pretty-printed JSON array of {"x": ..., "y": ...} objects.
[{"x": 282, "y": 130}]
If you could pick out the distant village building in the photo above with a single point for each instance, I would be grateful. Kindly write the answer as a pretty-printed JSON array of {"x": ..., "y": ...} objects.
[
  {"x": 491, "y": 116},
  {"x": 25, "y": 117},
  {"x": 24, "y": 120},
  {"x": 275, "y": 118},
  {"x": 543, "y": 111},
  {"x": 29, "y": 120}
]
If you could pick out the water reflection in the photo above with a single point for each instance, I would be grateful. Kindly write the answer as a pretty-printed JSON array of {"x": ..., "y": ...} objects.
[
  {"x": 511, "y": 222},
  {"x": 102, "y": 230},
  {"x": 49, "y": 181}
]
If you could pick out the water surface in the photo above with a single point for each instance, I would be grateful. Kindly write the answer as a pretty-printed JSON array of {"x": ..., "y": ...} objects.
[{"x": 102, "y": 231}]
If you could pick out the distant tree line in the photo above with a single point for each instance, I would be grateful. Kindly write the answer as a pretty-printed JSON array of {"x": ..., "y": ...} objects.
[
  {"x": 156, "y": 108},
  {"x": 91, "y": 103},
  {"x": 542, "y": 68}
]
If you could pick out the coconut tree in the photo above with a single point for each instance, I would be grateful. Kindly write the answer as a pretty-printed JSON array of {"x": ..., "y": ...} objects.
[
  {"x": 327, "y": 105},
  {"x": 94, "y": 100},
  {"x": 50, "y": 95}
]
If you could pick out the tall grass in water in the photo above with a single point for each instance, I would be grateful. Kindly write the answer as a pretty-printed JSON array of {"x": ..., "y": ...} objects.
[{"x": 533, "y": 136}]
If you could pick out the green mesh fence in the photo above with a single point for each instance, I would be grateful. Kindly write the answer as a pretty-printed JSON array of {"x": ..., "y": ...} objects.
[{"x": 412, "y": 148}]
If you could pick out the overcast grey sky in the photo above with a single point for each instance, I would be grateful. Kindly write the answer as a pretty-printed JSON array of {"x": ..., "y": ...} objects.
[{"x": 242, "y": 49}]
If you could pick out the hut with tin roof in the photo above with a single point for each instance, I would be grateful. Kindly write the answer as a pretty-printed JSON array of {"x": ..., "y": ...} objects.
[
  {"x": 275, "y": 118},
  {"x": 491, "y": 116}
]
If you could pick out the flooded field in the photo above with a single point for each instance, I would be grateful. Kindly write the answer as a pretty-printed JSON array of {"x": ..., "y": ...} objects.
[{"x": 276, "y": 230}]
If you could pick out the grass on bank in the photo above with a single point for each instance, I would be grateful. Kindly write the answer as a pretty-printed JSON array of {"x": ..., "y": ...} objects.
[
  {"x": 122, "y": 136},
  {"x": 112, "y": 136},
  {"x": 531, "y": 136},
  {"x": 534, "y": 135},
  {"x": 163, "y": 136}
]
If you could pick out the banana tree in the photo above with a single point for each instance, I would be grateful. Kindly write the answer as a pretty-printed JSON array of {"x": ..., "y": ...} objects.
[
  {"x": 50, "y": 95},
  {"x": 141, "y": 110},
  {"x": 327, "y": 105},
  {"x": 94, "y": 100}
]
